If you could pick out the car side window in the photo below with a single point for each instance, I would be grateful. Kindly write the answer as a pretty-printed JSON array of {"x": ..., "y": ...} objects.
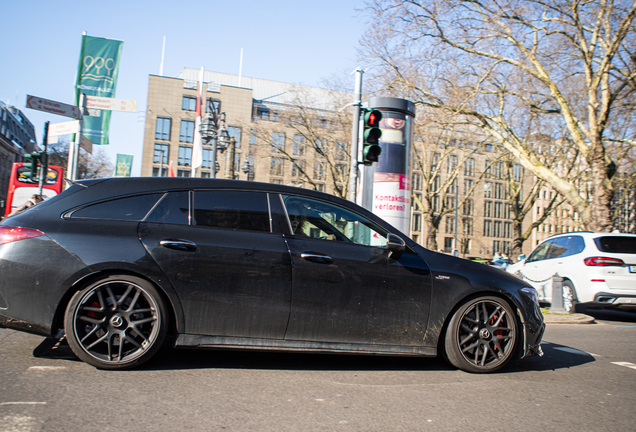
[
  {"x": 327, "y": 221},
  {"x": 244, "y": 210},
  {"x": 540, "y": 252},
  {"x": 559, "y": 248},
  {"x": 578, "y": 244},
  {"x": 133, "y": 208},
  {"x": 174, "y": 208}
]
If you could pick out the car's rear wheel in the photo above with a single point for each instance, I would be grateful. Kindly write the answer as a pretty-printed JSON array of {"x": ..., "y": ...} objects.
[
  {"x": 118, "y": 322},
  {"x": 482, "y": 335},
  {"x": 569, "y": 297}
]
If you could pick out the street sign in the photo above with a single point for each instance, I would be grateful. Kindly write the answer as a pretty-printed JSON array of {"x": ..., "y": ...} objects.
[
  {"x": 86, "y": 144},
  {"x": 64, "y": 128},
  {"x": 112, "y": 104},
  {"x": 53, "y": 107}
]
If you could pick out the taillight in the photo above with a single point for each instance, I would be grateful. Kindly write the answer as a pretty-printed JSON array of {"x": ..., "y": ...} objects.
[
  {"x": 603, "y": 261},
  {"x": 10, "y": 234}
]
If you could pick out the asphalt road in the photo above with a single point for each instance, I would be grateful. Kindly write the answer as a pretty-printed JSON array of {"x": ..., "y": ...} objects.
[{"x": 586, "y": 381}]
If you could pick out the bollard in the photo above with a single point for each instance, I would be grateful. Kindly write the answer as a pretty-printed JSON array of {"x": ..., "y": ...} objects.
[{"x": 557, "y": 294}]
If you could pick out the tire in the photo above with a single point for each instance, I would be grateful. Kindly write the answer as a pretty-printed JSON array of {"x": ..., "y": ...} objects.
[
  {"x": 569, "y": 297},
  {"x": 482, "y": 335},
  {"x": 118, "y": 322}
]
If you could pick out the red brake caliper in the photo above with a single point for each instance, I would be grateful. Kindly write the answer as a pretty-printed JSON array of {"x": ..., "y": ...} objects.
[{"x": 91, "y": 313}]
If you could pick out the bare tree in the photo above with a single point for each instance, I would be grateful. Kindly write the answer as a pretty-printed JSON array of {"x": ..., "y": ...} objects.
[
  {"x": 96, "y": 165},
  {"x": 570, "y": 61},
  {"x": 314, "y": 141}
]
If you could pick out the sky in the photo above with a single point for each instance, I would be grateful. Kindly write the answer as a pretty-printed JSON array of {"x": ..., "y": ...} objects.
[{"x": 293, "y": 41}]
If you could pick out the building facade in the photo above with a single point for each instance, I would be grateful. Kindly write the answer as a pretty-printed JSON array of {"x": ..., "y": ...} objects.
[{"x": 17, "y": 138}]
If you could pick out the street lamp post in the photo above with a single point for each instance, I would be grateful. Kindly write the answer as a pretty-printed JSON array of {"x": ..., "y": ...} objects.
[{"x": 213, "y": 129}]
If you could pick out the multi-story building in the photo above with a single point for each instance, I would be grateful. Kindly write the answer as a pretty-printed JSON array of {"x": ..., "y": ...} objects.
[{"x": 17, "y": 138}]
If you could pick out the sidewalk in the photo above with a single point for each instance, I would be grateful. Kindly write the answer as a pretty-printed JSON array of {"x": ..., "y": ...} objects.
[{"x": 567, "y": 318}]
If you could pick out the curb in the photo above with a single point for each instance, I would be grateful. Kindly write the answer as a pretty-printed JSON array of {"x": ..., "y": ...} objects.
[{"x": 567, "y": 318}]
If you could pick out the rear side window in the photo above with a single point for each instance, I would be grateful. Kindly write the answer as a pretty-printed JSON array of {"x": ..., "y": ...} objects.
[
  {"x": 616, "y": 244},
  {"x": 232, "y": 210},
  {"x": 129, "y": 209},
  {"x": 174, "y": 208}
]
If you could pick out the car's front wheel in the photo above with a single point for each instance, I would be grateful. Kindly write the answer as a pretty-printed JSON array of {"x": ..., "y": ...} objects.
[
  {"x": 118, "y": 322},
  {"x": 482, "y": 335}
]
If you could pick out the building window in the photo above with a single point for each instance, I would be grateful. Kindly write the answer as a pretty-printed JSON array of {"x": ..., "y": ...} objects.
[
  {"x": 448, "y": 244},
  {"x": 450, "y": 225},
  {"x": 278, "y": 142},
  {"x": 507, "y": 230},
  {"x": 183, "y": 173},
  {"x": 320, "y": 187},
  {"x": 496, "y": 229},
  {"x": 252, "y": 137},
  {"x": 235, "y": 132},
  {"x": 435, "y": 204},
  {"x": 467, "y": 225},
  {"x": 469, "y": 167},
  {"x": 417, "y": 222},
  {"x": 216, "y": 104},
  {"x": 341, "y": 169},
  {"x": 487, "y": 208},
  {"x": 499, "y": 191},
  {"x": 467, "y": 208},
  {"x": 299, "y": 145},
  {"x": 341, "y": 151},
  {"x": 319, "y": 170},
  {"x": 498, "y": 207},
  {"x": 465, "y": 245},
  {"x": 417, "y": 181},
  {"x": 207, "y": 158},
  {"x": 189, "y": 103},
  {"x": 496, "y": 246},
  {"x": 185, "y": 156},
  {"x": 487, "y": 228},
  {"x": 468, "y": 186},
  {"x": 487, "y": 189},
  {"x": 162, "y": 131},
  {"x": 276, "y": 166},
  {"x": 417, "y": 201},
  {"x": 517, "y": 172},
  {"x": 276, "y": 181},
  {"x": 452, "y": 164},
  {"x": 298, "y": 167},
  {"x": 435, "y": 162},
  {"x": 187, "y": 131},
  {"x": 321, "y": 147},
  {"x": 157, "y": 156}
]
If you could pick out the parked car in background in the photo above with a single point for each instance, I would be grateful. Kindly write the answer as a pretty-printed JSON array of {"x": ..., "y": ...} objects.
[
  {"x": 598, "y": 269},
  {"x": 118, "y": 264}
]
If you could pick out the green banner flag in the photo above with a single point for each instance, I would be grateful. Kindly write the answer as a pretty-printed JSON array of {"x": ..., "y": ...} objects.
[
  {"x": 97, "y": 76},
  {"x": 124, "y": 163}
]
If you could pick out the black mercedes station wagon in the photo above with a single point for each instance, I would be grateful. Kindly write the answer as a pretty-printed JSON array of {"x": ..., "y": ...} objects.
[{"x": 122, "y": 265}]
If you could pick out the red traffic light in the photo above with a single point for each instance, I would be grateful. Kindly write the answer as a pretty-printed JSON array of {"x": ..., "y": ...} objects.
[{"x": 372, "y": 118}]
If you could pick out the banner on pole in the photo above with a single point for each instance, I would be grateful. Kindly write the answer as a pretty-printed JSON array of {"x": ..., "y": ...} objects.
[
  {"x": 124, "y": 163},
  {"x": 97, "y": 76}
]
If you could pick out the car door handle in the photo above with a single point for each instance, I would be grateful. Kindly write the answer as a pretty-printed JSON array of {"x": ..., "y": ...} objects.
[
  {"x": 324, "y": 259},
  {"x": 182, "y": 245}
]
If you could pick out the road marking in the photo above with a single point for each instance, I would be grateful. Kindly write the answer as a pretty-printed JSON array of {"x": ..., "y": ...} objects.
[
  {"x": 47, "y": 367},
  {"x": 23, "y": 403},
  {"x": 626, "y": 364}
]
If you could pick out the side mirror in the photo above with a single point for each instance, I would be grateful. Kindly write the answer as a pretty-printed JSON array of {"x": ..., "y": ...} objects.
[{"x": 395, "y": 245}]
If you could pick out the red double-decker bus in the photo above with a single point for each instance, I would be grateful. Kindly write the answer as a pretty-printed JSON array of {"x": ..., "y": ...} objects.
[{"x": 22, "y": 187}]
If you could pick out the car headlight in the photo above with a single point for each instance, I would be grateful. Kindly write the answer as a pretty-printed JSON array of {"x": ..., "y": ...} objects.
[{"x": 532, "y": 294}]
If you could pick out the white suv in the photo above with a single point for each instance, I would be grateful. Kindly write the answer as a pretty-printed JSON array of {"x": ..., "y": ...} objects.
[{"x": 598, "y": 269}]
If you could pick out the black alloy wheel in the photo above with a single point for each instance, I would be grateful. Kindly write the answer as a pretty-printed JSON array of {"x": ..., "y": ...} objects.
[
  {"x": 116, "y": 323},
  {"x": 482, "y": 335}
]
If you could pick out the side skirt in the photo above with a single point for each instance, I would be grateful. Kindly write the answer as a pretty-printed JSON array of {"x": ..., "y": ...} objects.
[{"x": 199, "y": 341}]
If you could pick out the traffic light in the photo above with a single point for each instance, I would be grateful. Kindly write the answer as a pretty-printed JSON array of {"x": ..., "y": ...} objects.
[
  {"x": 36, "y": 160},
  {"x": 371, "y": 136}
]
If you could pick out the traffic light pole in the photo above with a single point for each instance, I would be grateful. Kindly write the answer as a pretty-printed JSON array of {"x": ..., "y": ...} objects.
[
  {"x": 353, "y": 172},
  {"x": 44, "y": 160}
]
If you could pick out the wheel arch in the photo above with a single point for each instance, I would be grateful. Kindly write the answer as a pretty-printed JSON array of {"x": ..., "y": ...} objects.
[{"x": 173, "y": 305}]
